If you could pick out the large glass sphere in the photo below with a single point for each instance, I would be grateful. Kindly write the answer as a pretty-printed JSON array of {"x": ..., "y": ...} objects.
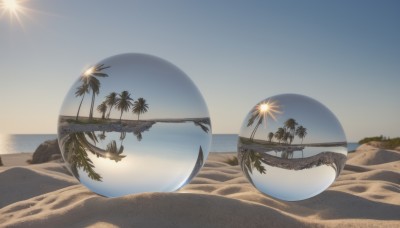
[
  {"x": 291, "y": 147},
  {"x": 134, "y": 123}
]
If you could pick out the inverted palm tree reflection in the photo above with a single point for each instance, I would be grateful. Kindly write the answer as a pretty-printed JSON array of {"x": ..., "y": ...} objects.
[
  {"x": 254, "y": 160},
  {"x": 204, "y": 124},
  {"x": 76, "y": 146}
]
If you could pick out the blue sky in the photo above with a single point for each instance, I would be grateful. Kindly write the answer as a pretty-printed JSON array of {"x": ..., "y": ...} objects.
[{"x": 345, "y": 54}]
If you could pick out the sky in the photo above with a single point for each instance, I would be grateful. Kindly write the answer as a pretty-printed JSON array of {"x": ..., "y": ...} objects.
[
  {"x": 345, "y": 54},
  {"x": 167, "y": 91},
  {"x": 321, "y": 126}
]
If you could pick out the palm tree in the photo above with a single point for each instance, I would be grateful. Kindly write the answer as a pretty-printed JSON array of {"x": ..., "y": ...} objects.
[
  {"x": 102, "y": 135},
  {"x": 270, "y": 136},
  {"x": 81, "y": 91},
  {"x": 75, "y": 146},
  {"x": 285, "y": 137},
  {"x": 123, "y": 102},
  {"x": 290, "y": 125},
  {"x": 112, "y": 148},
  {"x": 102, "y": 108},
  {"x": 301, "y": 132},
  {"x": 122, "y": 136},
  {"x": 111, "y": 99},
  {"x": 279, "y": 134},
  {"x": 89, "y": 78},
  {"x": 252, "y": 160},
  {"x": 202, "y": 125},
  {"x": 138, "y": 135},
  {"x": 140, "y": 106},
  {"x": 255, "y": 114}
]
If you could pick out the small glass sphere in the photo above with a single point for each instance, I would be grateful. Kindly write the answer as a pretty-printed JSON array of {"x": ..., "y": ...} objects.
[
  {"x": 134, "y": 123},
  {"x": 291, "y": 147}
]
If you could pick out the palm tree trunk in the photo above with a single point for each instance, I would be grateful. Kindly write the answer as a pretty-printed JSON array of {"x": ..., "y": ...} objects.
[
  {"x": 109, "y": 111},
  {"x": 77, "y": 114},
  {"x": 138, "y": 116},
  {"x": 254, "y": 131},
  {"x": 251, "y": 135},
  {"x": 120, "y": 117},
  {"x": 91, "y": 106}
]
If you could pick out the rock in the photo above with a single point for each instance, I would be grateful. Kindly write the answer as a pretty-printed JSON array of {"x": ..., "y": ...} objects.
[
  {"x": 56, "y": 157},
  {"x": 47, "y": 151},
  {"x": 1, "y": 162}
]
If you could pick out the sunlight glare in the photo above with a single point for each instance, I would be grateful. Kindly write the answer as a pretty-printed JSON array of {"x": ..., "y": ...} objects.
[
  {"x": 268, "y": 109},
  {"x": 264, "y": 107},
  {"x": 10, "y": 5},
  {"x": 14, "y": 9},
  {"x": 89, "y": 71}
]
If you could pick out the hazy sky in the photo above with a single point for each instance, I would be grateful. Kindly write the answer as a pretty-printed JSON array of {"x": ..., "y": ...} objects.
[
  {"x": 321, "y": 125},
  {"x": 168, "y": 92},
  {"x": 345, "y": 54}
]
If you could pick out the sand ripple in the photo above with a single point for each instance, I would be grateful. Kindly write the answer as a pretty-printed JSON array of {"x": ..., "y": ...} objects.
[{"x": 366, "y": 194}]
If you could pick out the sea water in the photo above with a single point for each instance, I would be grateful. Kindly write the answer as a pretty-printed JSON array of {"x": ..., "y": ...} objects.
[{"x": 27, "y": 143}]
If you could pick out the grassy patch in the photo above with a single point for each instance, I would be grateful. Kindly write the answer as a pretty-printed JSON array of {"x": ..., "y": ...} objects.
[
  {"x": 387, "y": 143},
  {"x": 232, "y": 161}
]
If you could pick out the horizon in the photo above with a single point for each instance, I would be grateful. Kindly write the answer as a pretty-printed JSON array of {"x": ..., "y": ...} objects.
[{"x": 343, "y": 54}]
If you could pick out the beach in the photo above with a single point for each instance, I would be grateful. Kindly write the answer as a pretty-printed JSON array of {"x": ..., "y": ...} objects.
[{"x": 366, "y": 194}]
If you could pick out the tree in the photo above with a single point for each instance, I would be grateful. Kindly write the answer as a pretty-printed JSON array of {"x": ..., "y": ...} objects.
[
  {"x": 111, "y": 99},
  {"x": 301, "y": 132},
  {"x": 75, "y": 146},
  {"x": 138, "y": 135},
  {"x": 113, "y": 148},
  {"x": 290, "y": 125},
  {"x": 285, "y": 137},
  {"x": 252, "y": 160},
  {"x": 89, "y": 78},
  {"x": 122, "y": 136},
  {"x": 279, "y": 134},
  {"x": 270, "y": 136},
  {"x": 123, "y": 102},
  {"x": 255, "y": 115},
  {"x": 102, "y": 135},
  {"x": 81, "y": 91},
  {"x": 102, "y": 108},
  {"x": 140, "y": 106}
]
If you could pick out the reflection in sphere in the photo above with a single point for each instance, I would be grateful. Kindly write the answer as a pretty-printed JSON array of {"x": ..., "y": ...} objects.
[
  {"x": 291, "y": 147},
  {"x": 134, "y": 123}
]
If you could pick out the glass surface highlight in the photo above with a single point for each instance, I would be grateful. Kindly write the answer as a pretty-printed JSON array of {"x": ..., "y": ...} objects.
[
  {"x": 291, "y": 147},
  {"x": 134, "y": 123}
]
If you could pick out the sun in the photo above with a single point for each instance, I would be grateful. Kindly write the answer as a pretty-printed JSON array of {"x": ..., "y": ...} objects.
[
  {"x": 267, "y": 109},
  {"x": 88, "y": 72},
  {"x": 10, "y": 5},
  {"x": 264, "y": 107},
  {"x": 15, "y": 10}
]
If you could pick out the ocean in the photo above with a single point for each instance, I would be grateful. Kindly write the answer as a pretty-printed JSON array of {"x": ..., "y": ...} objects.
[{"x": 11, "y": 144}]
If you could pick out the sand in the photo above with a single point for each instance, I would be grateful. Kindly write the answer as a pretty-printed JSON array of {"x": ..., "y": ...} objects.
[{"x": 366, "y": 194}]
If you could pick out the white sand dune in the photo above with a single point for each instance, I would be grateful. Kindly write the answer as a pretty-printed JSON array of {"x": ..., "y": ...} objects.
[{"x": 366, "y": 194}]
